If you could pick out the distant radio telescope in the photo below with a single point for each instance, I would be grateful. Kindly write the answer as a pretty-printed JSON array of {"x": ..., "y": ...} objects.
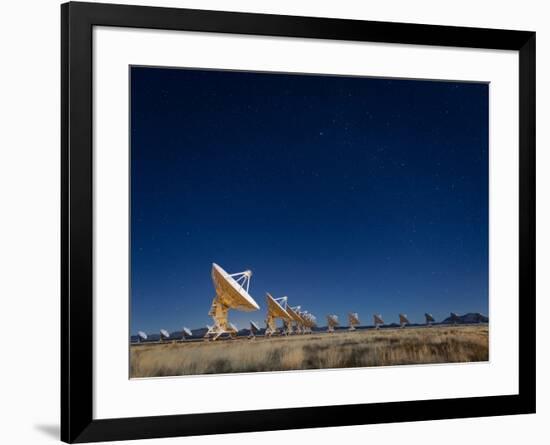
[
  {"x": 254, "y": 330},
  {"x": 299, "y": 322},
  {"x": 310, "y": 321},
  {"x": 186, "y": 332},
  {"x": 332, "y": 322},
  {"x": 378, "y": 321},
  {"x": 275, "y": 309},
  {"x": 353, "y": 320},
  {"x": 429, "y": 319},
  {"x": 403, "y": 320},
  {"x": 164, "y": 335},
  {"x": 231, "y": 293},
  {"x": 234, "y": 330},
  {"x": 294, "y": 325}
]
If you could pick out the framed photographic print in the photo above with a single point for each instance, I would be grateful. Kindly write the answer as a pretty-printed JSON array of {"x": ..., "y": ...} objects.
[{"x": 256, "y": 208}]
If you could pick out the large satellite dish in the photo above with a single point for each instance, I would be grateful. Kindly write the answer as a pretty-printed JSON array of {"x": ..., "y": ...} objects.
[
  {"x": 353, "y": 320},
  {"x": 332, "y": 322},
  {"x": 142, "y": 336},
  {"x": 275, "y": 309},
  {"x": 378, "y": 321},
  {"x": 164, "y": 335},
  {"x": 231, "y": 293},
  {"x": 429, "y": 319},
  {"x": 403, "y": 320}
]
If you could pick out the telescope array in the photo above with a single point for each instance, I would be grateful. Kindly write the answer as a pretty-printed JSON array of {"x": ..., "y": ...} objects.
[{"x": 232, "y": 292}]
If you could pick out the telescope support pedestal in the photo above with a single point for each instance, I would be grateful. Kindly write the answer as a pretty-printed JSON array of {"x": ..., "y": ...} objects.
[{"x": 219, "y": 313}]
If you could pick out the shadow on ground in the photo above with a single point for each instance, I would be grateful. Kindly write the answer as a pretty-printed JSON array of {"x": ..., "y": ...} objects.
[{"x": 49, "y": 430}]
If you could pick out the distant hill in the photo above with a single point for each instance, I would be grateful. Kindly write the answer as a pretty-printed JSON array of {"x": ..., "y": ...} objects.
[{"x": 471, "y": 317}]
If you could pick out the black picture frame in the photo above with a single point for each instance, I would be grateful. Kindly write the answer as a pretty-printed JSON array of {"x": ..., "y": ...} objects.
[{"x": 77, "y": 22}]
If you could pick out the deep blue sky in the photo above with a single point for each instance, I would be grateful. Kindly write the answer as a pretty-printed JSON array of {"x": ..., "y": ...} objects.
[{"x": 346, "y": 194}]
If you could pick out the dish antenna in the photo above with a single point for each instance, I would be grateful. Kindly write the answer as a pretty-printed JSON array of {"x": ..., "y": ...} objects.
[
  {"x": 304, "y": 315},
  {"x": 288, "y": 326},
  {"x": 164, "y": 335},
  {"x": 254, "y": 330},
  {"x": 296, "y": 323},
  {"x": 332, "y": 322},
  {"x": 231, "y": 293},
  {"x": 299, "y": 322},
  {"x": 454, "y": 318},
  {"x": 186, "y": 332},
  {"x": 313, "y": 320},
  {"x": 378, "y": 321},
  {"x": 353, "y": 320},
  {"x": 142, "y": 336},
  {"x": 429, "y": 319},
  {"x": 234, "y": 330},
  {"x": 403, "y": 320},
  {"x": 275, "y": 309},
  {"x": 310, "y": 322}
]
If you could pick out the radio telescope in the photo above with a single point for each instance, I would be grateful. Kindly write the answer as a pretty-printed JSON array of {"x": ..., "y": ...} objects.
[
  {"x": 164, "y": 335},
  {"x": 306, "y": 321},
  {"x": 288, "y": 325},
  {"x": 299, "y": 322},
  {"x": 429, "y": 319},
  {"x": 234, "y": 330},
  {"x": 310, "y": 321},
  {"x": 254, "y": 329},
  {"x": 332, "y": 322},
  {"x": 296, "y": 323},
  {"x": 231, "y": 293},
  {"x": 275, "y": 310},
  {"x": 142, "y": 336},
  {"x": 403, "y": 320},
  {"x": 186, "y": 332},
  {"x": 378, "y": 321},
  {"x": 353, "y": 320}
]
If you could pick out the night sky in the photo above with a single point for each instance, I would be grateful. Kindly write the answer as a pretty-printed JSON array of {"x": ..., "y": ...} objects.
[{"x": 344, "y": 193}]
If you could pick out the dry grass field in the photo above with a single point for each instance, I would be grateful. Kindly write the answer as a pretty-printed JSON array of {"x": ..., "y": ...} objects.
[{"x": 439, "y": 344}]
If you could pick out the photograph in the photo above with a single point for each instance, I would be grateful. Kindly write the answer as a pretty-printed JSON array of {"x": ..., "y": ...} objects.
[
  {"x": 260, "y": 222},
  {"x": 289, "y": 221}
]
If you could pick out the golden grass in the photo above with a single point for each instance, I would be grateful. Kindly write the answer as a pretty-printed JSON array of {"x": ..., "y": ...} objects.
[{"x": 386, "y": 347}]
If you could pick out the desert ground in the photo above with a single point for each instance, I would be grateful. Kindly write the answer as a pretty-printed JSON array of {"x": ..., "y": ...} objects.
[{"x": 342, "y": 349}]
